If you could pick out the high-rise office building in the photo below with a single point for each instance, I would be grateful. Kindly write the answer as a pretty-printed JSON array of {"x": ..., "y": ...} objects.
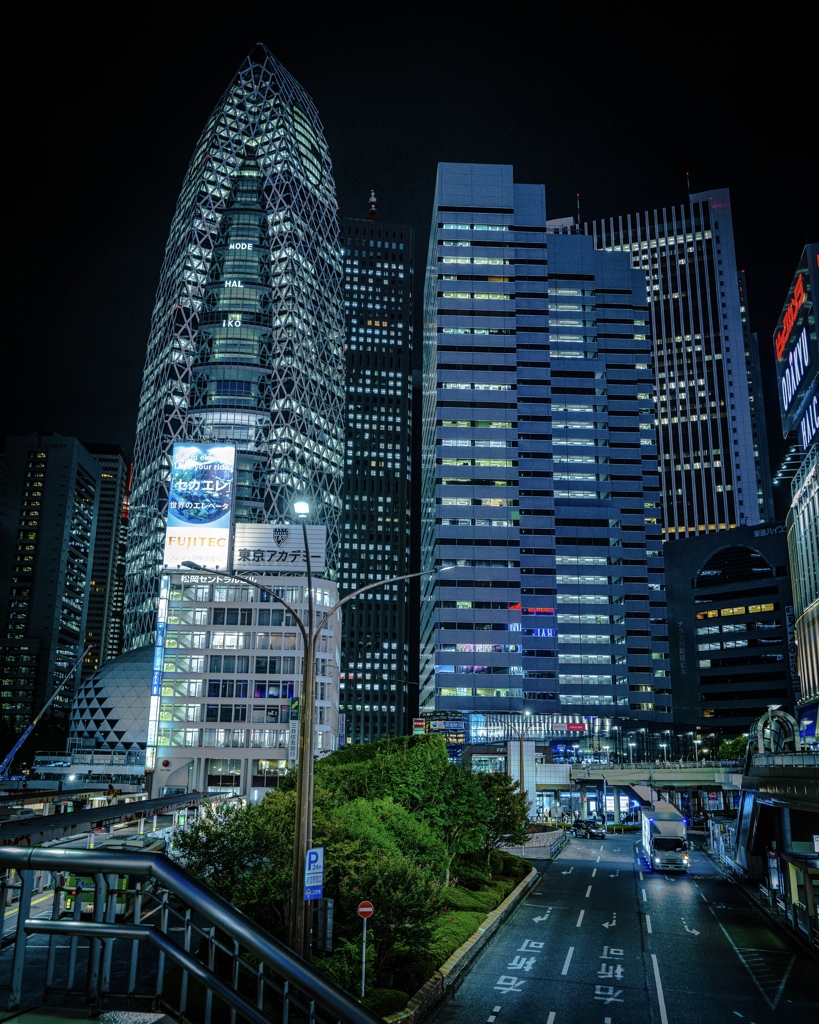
[
  {"x": 246, "y": 339},
  {"x": 49, "y": 496},
  {"x": 377, "y": 666},
  {"x": 106, "y": 592},
  {"x": 540, "y": 492},
  {"x": 710, "y": 419},
  {"x": 730, "y": 609}
]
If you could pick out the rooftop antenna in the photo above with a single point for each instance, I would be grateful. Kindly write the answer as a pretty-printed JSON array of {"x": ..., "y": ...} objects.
[
  {"x": 373, "y": 210},
  {"x": 688, "y": 183},
  {"x": 577, "y": 200}
]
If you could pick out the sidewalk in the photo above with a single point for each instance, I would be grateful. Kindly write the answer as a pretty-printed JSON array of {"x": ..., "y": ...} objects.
[{"x": 751, "y": 892}]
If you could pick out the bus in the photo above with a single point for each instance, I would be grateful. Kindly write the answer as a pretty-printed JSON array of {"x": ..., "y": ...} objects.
[{"x": 82, "y": 889}]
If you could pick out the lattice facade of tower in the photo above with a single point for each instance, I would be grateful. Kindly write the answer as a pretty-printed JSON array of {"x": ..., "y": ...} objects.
[
  {"x": 710, "y": 419},
  {"x": 246, "y": 340},
  {"x": 376, "y": 667}
]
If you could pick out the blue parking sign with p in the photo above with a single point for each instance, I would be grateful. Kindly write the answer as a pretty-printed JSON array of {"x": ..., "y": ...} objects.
[{"x": 314, "y": 873}]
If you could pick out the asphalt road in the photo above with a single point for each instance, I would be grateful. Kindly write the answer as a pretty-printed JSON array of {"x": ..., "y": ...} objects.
[{"x": 600, "y": 940}]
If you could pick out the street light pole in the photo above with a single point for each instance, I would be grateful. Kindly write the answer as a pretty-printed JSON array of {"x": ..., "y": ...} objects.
[{"x": 299, "y": 935}]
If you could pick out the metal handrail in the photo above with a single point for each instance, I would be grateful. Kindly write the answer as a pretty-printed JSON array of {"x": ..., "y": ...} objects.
[{"x": 302, "y": 988}]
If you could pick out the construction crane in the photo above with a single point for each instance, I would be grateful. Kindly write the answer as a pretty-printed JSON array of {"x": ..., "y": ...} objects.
[{"x": 7, "y": 760}]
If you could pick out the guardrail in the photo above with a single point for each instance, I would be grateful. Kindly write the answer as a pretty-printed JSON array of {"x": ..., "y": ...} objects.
[{"x": 220, "y": 951}]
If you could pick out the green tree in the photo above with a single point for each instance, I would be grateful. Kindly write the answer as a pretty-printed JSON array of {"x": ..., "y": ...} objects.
[
  {"x": 733, "y": 749},
  {"x": 407, "y": 768},
  {"x": 461, "y": 814},
  {"x": 245, "y": 855},
  {"x": 406, "y": 900},
  {"x": 509, "y": 820}
]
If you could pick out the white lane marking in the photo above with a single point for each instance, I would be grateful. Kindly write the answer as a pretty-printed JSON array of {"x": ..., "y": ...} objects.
[
  {"x": 594, "y": 872},
  {"x": 588, "y": 892},
  {"x": 660, "y": 996},
  {"x": 644, "y": 895},
  {"x": 648, "y": 923},
  {"x": 551, "y": 1018},
  {"x": 580, "y": 919},
  {"x": 568, "y": 960}
]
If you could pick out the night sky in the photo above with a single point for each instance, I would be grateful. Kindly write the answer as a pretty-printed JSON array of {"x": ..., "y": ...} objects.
[{"x": 103, "y": 121}]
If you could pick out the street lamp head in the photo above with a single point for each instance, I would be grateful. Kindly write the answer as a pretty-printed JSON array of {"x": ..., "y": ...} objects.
[
  {"x": 192, "y": 565},
  {"x": 301, "y": 507}
]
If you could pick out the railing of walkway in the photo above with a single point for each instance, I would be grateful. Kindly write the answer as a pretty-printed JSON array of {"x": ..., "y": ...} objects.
[{"x": 183, "y": 946}]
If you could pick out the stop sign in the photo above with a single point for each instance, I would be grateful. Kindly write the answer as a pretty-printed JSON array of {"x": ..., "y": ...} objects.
[{"x": 365, "y": 909}]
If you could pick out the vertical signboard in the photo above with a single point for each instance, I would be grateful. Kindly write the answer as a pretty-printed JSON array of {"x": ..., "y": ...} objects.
[
  {"x": 796, "y": 345},
  {"x": 314, "y": 873},
  {"x": 156, "y": 673},
  {"x": 200, "y": 505},
  {"x": 293, "y": 751}
]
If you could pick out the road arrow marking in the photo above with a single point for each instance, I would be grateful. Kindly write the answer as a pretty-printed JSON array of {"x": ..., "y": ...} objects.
[
  {"x": 616, "y": 873},
  {"x": 691, "y": 931},
  {"x": 571, "y": 869},
  {"x": 612, "y": 922}
]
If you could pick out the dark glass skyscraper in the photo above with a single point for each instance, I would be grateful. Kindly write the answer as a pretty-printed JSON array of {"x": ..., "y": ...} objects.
[
  {"x": 246, "y": 341},
  {"x": 376, "y": 666},
  {"x": 710, "y": 420},
  {"x": 107, "y": 585},
  {"x": 49, "y": 497}
]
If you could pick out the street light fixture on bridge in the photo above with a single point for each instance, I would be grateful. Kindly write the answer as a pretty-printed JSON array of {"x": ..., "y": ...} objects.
[{"x": 631, "y": 747}]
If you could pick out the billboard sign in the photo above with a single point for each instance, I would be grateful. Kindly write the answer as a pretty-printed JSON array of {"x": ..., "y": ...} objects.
[
  {"x": 200, "y": 505},
  {"x": 279, "y": 547},
  {"x": 797, "y": 349}
]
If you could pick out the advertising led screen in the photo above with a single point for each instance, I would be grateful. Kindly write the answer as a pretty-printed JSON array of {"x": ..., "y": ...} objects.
[
  {"x": 797, "y": 346},
  {"x": 200, "y": 505}
]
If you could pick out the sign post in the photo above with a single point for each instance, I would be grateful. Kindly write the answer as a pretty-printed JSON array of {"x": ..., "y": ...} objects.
[
  {"x": 365, "y": 910},
  {"x": 314, "y": 874}
]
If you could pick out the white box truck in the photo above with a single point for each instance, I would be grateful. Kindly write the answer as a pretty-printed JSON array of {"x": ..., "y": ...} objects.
[{"x": 664, "y": 842}]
